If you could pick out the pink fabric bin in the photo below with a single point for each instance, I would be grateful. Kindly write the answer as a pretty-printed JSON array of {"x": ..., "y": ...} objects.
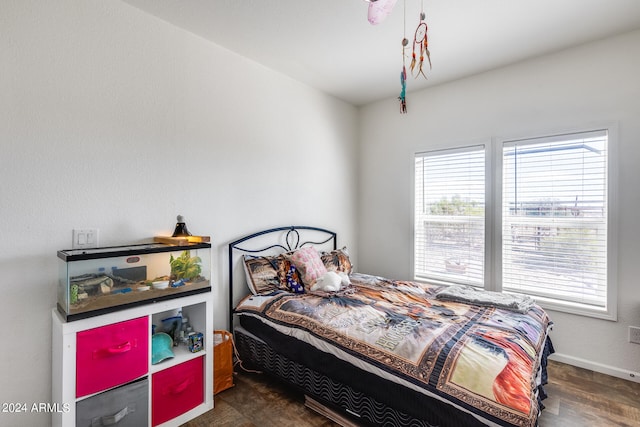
[
  {"x": 177, "y": 390},
  {"x": 111, "y": 355}
]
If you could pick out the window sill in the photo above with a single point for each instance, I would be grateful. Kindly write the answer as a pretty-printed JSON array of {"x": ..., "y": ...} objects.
[{"x": 577, "y": 309}]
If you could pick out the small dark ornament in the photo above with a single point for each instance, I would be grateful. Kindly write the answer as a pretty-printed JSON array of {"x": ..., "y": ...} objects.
[{"x": 181, "y": 228}]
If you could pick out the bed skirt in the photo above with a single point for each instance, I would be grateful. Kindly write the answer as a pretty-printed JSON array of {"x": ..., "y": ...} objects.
[
  {"x": 336, "y": 395},
  {"x": 355, "y": 404}
]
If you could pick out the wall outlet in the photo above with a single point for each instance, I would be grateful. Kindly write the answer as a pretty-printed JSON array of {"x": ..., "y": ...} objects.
[
  {"x": 85, "y": 238},
  {"x": 634, "y": 334}
]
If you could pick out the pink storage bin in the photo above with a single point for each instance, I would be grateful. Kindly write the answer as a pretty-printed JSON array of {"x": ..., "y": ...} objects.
[
  {"x": 177, "y": 390},
  {"x": 111, "y": 355}
]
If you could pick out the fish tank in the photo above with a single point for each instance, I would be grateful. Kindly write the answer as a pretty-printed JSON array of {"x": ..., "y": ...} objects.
[{"x": 97, "y": 281}]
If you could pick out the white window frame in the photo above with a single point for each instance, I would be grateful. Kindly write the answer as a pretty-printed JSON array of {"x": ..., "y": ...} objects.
[
  {"x": 463, "y": 148},
  {"x": 493, "y": 218}
]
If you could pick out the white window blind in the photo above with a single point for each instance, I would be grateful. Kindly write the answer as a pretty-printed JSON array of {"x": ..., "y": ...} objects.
[
  {"x": 554, "y": 217},
  {"x": 449, "y": 215}
]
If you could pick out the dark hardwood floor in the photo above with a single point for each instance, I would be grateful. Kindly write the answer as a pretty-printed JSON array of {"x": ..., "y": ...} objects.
[{"x": 577, "y": 398}]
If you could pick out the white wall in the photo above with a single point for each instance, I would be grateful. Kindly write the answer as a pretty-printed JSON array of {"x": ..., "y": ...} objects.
[
  {"x": 113, "y": 119},
  {"x": 110, "y": 118},
  {"x": 597, "y": 82}
]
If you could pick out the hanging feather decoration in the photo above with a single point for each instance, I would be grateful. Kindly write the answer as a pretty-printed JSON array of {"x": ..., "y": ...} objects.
[
  {"x": 421, "y": 41},
  {"x": 403, "y": 91}
]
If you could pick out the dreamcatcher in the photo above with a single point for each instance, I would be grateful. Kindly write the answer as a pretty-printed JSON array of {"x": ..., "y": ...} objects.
[
  {"x": 378, "y": 11},
  {"x": 421, "y": 41}
]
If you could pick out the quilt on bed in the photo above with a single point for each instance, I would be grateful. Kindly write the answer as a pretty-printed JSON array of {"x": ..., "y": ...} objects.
[{"x": 484, "y": 360}]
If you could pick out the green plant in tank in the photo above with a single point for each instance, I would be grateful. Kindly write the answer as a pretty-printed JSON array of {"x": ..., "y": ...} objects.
[
  {"x": 73, "y": 298},
  {"x": 185, "y": 266}
]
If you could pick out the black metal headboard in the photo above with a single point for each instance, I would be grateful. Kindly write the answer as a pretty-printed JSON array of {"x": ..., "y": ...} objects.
[{"x": 283, "y": 239}]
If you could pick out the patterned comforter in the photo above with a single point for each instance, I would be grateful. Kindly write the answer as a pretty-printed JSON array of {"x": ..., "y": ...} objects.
[{"x": 484, "y": 360}]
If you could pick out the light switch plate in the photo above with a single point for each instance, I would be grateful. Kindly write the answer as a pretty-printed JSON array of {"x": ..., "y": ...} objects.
[{"x": 85, "y": 238}]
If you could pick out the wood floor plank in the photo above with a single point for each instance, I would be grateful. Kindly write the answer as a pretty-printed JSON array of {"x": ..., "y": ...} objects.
[{"x": 579, "y": 397}]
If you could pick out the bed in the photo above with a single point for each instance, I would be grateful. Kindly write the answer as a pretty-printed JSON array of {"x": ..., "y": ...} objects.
[{"x": 375, "y": 351}]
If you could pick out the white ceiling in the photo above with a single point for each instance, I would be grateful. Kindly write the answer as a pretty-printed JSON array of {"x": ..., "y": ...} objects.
[{"x": 330, "y": 45}]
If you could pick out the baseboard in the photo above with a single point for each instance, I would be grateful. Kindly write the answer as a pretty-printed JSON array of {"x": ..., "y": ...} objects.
[{"x": 596, "y": 367}]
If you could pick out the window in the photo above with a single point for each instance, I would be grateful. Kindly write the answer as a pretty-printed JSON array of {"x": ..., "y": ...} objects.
[
  {"x": 554, "y": 218},
  {"x": 551, "y": 212},
  {"x": 449, "y": 215}
]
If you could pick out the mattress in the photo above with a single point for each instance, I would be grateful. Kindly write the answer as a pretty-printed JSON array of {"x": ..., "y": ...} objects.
[
  {"x": 355, "y": 401},
  {"x": 440, "y": 362}
]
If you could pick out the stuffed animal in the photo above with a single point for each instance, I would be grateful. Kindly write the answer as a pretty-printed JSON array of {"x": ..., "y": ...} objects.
[
  {"x": 344, "y": 277},
  {"x": 331, "y": 281}
]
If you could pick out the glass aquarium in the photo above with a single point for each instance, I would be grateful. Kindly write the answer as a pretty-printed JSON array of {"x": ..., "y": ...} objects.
[{"x": 97, "y": 281}]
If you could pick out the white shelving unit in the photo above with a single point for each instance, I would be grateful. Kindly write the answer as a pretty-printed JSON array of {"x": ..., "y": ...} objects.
[{"x": 198, "y": 308}]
